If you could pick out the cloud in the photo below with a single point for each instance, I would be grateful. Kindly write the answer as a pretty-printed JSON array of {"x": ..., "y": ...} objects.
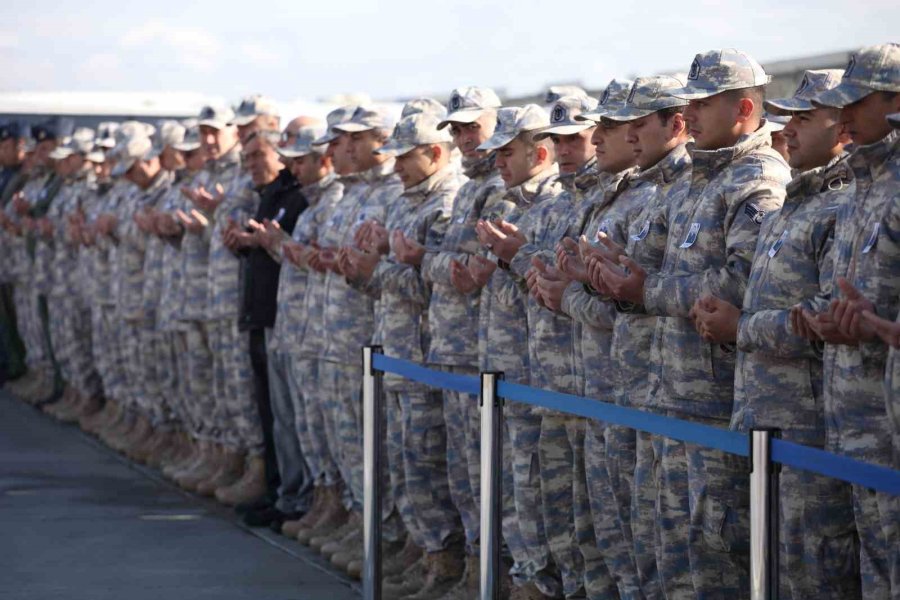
[
  {"x": 194, "y": 47},
  {"x": 258, "y": 53},
  {"x": 9, "y": 40}
]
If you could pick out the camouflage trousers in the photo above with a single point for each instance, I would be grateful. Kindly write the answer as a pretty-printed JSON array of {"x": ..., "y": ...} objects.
[
  {"x": 326, "y": 405},
  {"x": 105, "y": 353},
  {"x": 38, "y": 357},
  {"x": 708, "y": 490},
  {"x": 309, "y": 419},
  {"x": 341, "y": 387},
  {"x": 236, "y": 415},
  {"x": 151, "y": 361},
  {"x": 464, "y": 456},
  {"x": 567, "y": 510},
  {"x": 393, "y": 415},
  {"x": 523, "y": 517},
  {"x": 195, "y": 374},
  {"x": 644, "y": 518},
  {"x": 129, "y": 338},
  {"x": 71, "y": 338},
  {"x": 425, "y": 467},
  {"x": 609, "y": 469},
  {"x": 170, "y": 384}
]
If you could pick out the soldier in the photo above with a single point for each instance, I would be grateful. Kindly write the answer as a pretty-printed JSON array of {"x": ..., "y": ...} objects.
[
  {"x": 391, "y": 271},
  {"x": 793, "y": 267},
  {"x": 861, "y": 424},
  {"x": 12, "y": 178},
  {"x": 299, "y": 303},
  {"x": 529, "y": 176},
  {"x": 736, "y": 178},
  {"x": 348, "y": 315}
]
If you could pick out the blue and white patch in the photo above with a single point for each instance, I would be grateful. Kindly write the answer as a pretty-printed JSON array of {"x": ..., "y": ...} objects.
[
  {"x": 691, "y": 236},
  {"x": 640, "y": 235},
  {"x": 778, "y": 244},
  {"x": 873, "y": 239},
  {"x": 559, "y": 114}
]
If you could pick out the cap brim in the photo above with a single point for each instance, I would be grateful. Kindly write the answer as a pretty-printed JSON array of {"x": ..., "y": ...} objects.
[
  {"x": 894, "y": 120},
  {"x": 467, "y": 115},
  {"x": 352, "y": 128},
  {"x": 187, "y": 147},
  {"x": 694, "y": 93},
  {"x": 291, "y": 154},
  {"x": 95, "y": 157},
  {"x": 774, "y": 126},
  {"x": 784, "y": 107},
  {"x": 628, "y": 113},
  {"x": 562, "y": 130},
  {"x": 241, "y": 121},
  {"x": 122, "y": 167},
  {"x": 394, "y": 149},
  {"x": 497, "y": 141},
  {"x": 60, "y": 153},
  {"x": 842, "y": 95},
  {"x": 213, "y": 123}
]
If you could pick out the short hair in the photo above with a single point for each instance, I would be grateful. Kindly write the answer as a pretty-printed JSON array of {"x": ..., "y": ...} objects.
[
  {"x": 665, "y": 114},
  {"x": 757, "y": 94}
]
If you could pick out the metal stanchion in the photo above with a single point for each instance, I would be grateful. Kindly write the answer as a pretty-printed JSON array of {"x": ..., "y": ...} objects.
[
  {"x": 373, "y": 421},
  {"x": 491, "y": 494},
  {"x": 763, "y": 517}
]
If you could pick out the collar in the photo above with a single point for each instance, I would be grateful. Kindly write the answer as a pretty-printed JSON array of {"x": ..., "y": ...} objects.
[
  {"x": 834, "y": 176},
  {"x": 481, "y": 167},
  {"x": 582, "y": 180},
  {"x": 669, "y": 168},
  {"x": 378, "y": 172},
  {"x": 715, "y": 160},
  {"x": 526, "y": 192},
  {"x": 314, "y": 190},
  {"x": 425, "y": 188},
  {"x": 872, "y": 160}
]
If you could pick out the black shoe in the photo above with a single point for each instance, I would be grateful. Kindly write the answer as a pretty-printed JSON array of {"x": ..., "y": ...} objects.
[
  {"x": 264, "y": 517},
  {"x": 276, "y": 525},
  {"x": 261, "y": 504}
]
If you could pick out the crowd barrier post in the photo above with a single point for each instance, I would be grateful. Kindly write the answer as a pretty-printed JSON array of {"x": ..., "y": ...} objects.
[
  {"x": 763, "y": 517},
  {"x": 491, "y": 481},
  {"x": 373, "y": 422}
]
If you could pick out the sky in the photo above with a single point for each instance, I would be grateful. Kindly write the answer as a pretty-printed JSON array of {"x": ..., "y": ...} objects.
[{"x": 395, "y": 49}]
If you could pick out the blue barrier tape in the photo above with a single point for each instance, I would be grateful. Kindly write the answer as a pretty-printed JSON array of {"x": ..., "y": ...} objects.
[
  {"x": 787, "y": 453},
  {"x": 466, "y": 384},
  {"x": 845, "y": 468},
  {"x": 704, "y": 435}
]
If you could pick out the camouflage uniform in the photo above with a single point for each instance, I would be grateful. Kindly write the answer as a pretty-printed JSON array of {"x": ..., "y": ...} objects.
[
  {"x": 349, "y": 320},
  {"x": 711, "y": 239},
  {"x": 236, "y": 414},
  {"x": 858, "y": 420},
  {"x": 454, "y": 340}
]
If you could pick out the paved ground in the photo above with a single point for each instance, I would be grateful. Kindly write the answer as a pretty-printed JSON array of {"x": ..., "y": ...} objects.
[{"x": 77, "y": 521}]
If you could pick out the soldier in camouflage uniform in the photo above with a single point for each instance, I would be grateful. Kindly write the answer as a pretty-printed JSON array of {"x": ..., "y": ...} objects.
[
  {"x": 858, "y": 419},
  {"x": 736, "y": 178},
  {"x": 416, "y": 220},
  {"x": 12, "y": 178},
  {"x": 349, "y": 313},
  {"x": 793, "y": 268},
  {"x": 529, "y": 176}
]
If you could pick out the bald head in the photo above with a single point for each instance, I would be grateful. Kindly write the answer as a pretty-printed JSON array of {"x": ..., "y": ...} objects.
[{"x": 290, "y": 132}]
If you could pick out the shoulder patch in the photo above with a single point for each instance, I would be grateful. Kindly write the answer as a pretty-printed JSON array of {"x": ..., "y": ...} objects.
[{"x": 755, "y": 214}]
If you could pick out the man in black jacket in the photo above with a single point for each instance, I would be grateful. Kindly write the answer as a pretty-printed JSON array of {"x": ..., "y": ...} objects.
[{"x": 281, "y": 201}]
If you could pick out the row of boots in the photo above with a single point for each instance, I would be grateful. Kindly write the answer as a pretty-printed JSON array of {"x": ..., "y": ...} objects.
[{"x": 199, "y": 466}]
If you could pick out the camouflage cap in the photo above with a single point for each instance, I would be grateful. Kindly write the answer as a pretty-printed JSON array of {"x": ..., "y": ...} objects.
[
  {"x": 335, "y": 118},
  {"x": 169, "y": 133},
  {"x": 106, "y": 134},
  {"x": 130, "y": 129},
  {"x": 894, "y": 120},
  {"x": 612, "y": 99},
  {"x": 217, "y": 117},
  {"x": 97, "y": 155},
  {"x": 304, "y": 142},
  {"x": 12, "y": 130},
  {"x": 466, "y": 104},
  {"x": 872, "y": 69},
  {"x": 563, "y": 113},
  {"x": 129, "y": 151},
  {"x": 81, "y": 142},
  {"x": 814, "y": 82},
  {"x": 366, "y": 118},
  {"x": 776, "y": 122},
  {"x": 190, "y": 141},
  {"x": 424, "y": 105},
  {"x": 415, "y": 130},
  {"x": 513, "y": 121},
  {"x": 647, "y": 96},
  {"x": 251, "y": 107},
  {"x": 555, "y": 92},
  {"x": 718, "y": 71}
]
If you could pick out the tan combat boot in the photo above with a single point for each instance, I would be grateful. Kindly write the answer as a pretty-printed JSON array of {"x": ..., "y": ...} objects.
[
  {"x": 249, "y": 488},
  {"x": 292, "y": 528},
  {"x": 137, "y": 437},
  {"x": 399, "y": 562},
  {"x": 328, "y": 544},
  {"x": 333, "y": 516},
  {"x": 200, "y": 469},
  {"x": 445, "y": 569},
  {"x": 408, "y": 582},
  {"x": 468, "y": 586},
  {"x": 231, "y": 468},
  {"x": 61, "y": 406},
  {"x": 99, "y": 421},
  {"x": 188, "y": 461}
]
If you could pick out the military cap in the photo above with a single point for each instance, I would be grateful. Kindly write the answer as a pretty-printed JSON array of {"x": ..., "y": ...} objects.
[
  {"x": 106, "y": 134},
  {"x": 647, "y": 96},
  {"x": 168, "y": 133},
  {"x": 97, "y": 155},
  {"x": 424, "y": 105},
  {"x": 251, "y": 107},
  {"x": 335, "y": 118},
  {"x": 414, "y": 130},
  {"x": 467, "y": 104},
  {"x": 513, "y": 121},
  {"x": 718, "y": 71},
  {"x": 555, "y": 92},
  {"x": 129, "y": 129},
  {"x": 304, "y": 142},
  {"x": 81, "y": 142},
  {"x": 814, "y": 82},
  {"x": 894, "y": 120},
  {"x": 131, "y": 150},
  {"x": 366, "y": 118},
  {"x": 217, "y": 117},
  {"x": 562, "y": 116},
  {"x": 47, "y": 130},
  {"x": 12, "y": 130},
  {"x": 612, "y": 99},
  {"x": 190, "y": 141},
  {"x": 776, "y": 122},
  {"x": 872, "y": 69}
]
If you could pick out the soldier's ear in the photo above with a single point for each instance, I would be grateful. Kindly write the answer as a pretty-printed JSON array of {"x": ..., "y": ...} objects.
[
  {"x": 746, "y": 109},
  {"x": 843, "y": 136}
]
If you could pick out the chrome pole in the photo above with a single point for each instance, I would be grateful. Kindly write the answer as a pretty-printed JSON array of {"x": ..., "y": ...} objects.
[
  {"x": 373, "y": 405},
  {"x": 763, "y": 518},
  {"x": 491, "y": 477}
]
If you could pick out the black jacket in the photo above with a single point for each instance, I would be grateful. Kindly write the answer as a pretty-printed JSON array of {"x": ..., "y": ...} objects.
[{"x": 259, "y": 273}]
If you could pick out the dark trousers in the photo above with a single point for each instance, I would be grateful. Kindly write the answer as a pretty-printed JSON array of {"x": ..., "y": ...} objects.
[{"x": 259, "y": 362}]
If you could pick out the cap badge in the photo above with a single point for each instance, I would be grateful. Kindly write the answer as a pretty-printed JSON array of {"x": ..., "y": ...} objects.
[
  {"x": 559, "y": 114},
  {"x": 803, "y": 85},
  {"x": 455, "y": 102},
  {"x": 605, "y": 97},
  {"x": 631, "y": 94},
  {"x": 694, "y": 73}
]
